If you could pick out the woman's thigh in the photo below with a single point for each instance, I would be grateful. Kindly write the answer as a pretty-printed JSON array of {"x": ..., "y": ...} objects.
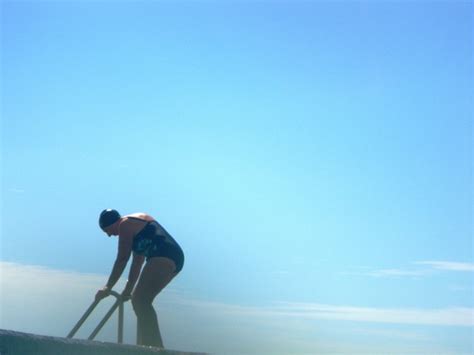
[{"x": 156, "y": 274}]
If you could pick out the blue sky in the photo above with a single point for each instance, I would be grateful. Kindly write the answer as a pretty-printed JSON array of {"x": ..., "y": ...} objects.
[{"x": 308, "y": 156}]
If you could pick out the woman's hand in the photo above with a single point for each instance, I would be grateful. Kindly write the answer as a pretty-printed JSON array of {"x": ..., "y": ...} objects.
[
  {"x": 126, "y": 295},
  {"x": 127, "y": 292},
  {"x": 102, "y": 293}
]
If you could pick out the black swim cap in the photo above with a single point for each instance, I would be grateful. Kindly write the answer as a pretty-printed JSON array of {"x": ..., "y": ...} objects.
[{"x": 108, "y": 217}]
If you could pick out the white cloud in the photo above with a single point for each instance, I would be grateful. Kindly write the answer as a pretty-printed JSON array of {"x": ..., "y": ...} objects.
[
  {"x": 451, "y": 316},
  {"x": 389, "y": 273},
  {"x": 448, "y": 265},
  {"x": 424, "y": 268},
  {"x": 397, "y": 273},
  {"x": 16, "y": 190}
]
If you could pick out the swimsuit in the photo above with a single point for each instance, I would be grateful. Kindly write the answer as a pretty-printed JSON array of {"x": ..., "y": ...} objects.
[{"x": 153, "y": 241}]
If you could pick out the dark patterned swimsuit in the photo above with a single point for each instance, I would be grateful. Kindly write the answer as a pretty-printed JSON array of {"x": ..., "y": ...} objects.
[{"x": 153, "y": 241}]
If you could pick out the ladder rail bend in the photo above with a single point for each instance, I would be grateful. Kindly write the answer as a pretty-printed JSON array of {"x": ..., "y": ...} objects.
[{"x": 118, "y": 304}]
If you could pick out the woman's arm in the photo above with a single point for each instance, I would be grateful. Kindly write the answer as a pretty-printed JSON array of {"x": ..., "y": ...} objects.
[
  {"x": 135, "y": 269},
  {"x": 123, "y": 255}
]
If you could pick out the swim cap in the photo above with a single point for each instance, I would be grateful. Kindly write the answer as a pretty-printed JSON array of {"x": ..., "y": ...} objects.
[{"x": 108, "y": 217}]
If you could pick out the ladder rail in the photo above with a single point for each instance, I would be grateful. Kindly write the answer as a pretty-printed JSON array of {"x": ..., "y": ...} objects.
[{"x": 118, "y": 304}]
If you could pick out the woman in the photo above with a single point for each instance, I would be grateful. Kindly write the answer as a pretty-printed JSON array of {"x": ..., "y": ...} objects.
[{"x": 141, "y": 234}]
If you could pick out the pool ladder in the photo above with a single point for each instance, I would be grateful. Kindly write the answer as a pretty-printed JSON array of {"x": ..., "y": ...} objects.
[{"x": 118, "y": 304}]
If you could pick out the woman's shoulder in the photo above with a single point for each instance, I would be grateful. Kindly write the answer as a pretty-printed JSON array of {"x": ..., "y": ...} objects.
[
  {"x": 133, "y": 223},
  {"x": 141, "y": 215}
]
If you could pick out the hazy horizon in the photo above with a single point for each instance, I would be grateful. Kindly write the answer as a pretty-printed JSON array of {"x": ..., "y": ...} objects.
[{"x": 223, "y": 328}]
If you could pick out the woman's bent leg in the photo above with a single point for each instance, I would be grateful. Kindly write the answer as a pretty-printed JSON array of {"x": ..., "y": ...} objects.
[
  {"x": 156, "y": 274},
  {"x": 148, "y": 332}
]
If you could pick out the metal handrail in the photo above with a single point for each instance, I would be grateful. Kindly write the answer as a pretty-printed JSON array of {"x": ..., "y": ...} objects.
[{"x": 118, "y": 303}]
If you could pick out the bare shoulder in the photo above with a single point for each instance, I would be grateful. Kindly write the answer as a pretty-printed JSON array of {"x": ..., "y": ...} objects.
[
  {"x": 141, "y": 215},
  {"x": 130, "y": 226}
]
